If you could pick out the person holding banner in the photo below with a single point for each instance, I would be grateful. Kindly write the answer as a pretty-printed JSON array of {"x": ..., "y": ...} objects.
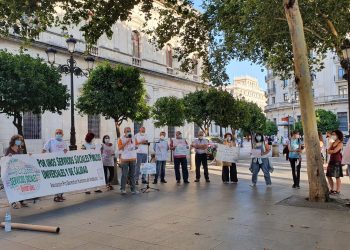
[
  {"x": 201, "y": 145},
  {"x": 142, "y": 144},
  {"x": 90, "y": 145},
  {"x": 127, "y": 149},
  {"x": 107, "y": 151},
  {"x": 14, "y": 148},
  {"x": 56, "y": 145},
  {"x": 161, "y": 148},
  {"x": 259, "y": 154},
  {"x": 229, "y": 169},
  {"x": 180, "y": 148}
]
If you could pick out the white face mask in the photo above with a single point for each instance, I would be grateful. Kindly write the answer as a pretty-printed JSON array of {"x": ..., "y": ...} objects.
[
  {"x": 142, "y": 134},
  {"x": 162, "y": 137},
  {"x": 229, "y": 138},
  {"x": 334, "y": 137},
  {"x": 297, "y": 136},
  {"x": 258, "y": 138},
  {"x": 200, "y": 137},
  {"x": 107, "y": 140}
]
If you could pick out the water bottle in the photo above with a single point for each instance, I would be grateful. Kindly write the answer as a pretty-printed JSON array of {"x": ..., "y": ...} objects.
[{"x": 8, "y": 221}]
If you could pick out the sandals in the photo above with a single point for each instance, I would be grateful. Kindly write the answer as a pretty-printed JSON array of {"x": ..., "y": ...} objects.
[
  {"x": 58, "y": 199},
  {"x": 110, "y": 187},
  {"x": 14, "y": 205},
  {"x": 23, "y": 204}
]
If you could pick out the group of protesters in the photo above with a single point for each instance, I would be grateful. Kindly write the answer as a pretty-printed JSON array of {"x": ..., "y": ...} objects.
[{"x": 134, "y": 150}]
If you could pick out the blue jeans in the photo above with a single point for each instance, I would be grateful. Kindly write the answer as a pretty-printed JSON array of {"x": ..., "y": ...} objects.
[
  {"x": 141, "y": 158},
  {"x": 264, "y": 166},
  {"x": 183, "y": 162},
  {"x": 128, "y": 170},
  {"x": 160, "y": 170}
]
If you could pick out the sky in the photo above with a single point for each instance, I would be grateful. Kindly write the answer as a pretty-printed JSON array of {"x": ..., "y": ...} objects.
[{"x": 236, "y": 68}]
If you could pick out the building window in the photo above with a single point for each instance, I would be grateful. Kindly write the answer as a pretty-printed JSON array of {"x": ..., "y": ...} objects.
[
  {"x": 275, "y": 121},
  {"x": 137, "y": 126},
  {"x": 341, "y": 73},
  {"x": 273, "y": 100},
  {"x": 285, "y": 97},
  {"x": 171, "y": 132},
  {"x": 299, "y": 118},
  {"x": 196, "y": 129},
  {"x": 136, "y": 52},
  {"x": 195, "y": 65},
  {"x": 296, "y": 96},
  {"x": 342, "y": 90},
  {"x": 169, "y": 56},
  {"x": 343, "y": 121},
  {"x": 31, "y": 126},
  {"x": 313, "y": 92},
  {"x": 94, "y": 125},
  {"x": 285, "y": 84}
]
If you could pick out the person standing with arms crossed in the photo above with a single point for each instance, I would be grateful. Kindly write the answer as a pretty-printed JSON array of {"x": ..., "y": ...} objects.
[
  {"x": 178, "y": 145},
  {"x": 55, "y": 145},
  {"x": 201, "y": 145}
]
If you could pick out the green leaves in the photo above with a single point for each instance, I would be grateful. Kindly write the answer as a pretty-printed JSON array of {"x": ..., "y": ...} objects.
[
  {"x": 270, "y": 128},
  {"x": 168, "y": 111},
  {"x": 29, "y": 85},
  {"x": 115, "y": 92},
  {"x": 326, "y": 120}
]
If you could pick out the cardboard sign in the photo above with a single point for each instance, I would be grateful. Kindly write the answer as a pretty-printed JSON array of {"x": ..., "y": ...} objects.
[{"x": 227, "y": 154}]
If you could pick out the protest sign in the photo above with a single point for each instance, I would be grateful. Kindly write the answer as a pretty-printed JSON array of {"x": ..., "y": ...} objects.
[
  {"x": 181, "y": 150},
  {"x": 256, "y": 153},
  {"x": 226, "y": 153},
  {"x": 148, "y": 168},
  {"x": 30, "y": 176}
]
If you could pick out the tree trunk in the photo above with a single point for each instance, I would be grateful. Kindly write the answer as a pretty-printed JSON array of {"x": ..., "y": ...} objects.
[
  {"x": 318, "y": 190},
  {"x": 17, "y": 122}
]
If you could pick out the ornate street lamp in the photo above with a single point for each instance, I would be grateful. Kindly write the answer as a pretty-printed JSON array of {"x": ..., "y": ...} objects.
[
  {"x": 72, "y": 69},
  {"x": 346, "y": 65}
]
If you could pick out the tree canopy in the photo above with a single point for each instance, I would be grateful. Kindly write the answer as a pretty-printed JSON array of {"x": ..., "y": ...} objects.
[
  {"x": 28, "y": 84},
  {"x": 270, "y": 128},
  {"x": 115, "y": 92},
  {"x": 326, "y": 120},
  {"x": 168, "y": 111}
]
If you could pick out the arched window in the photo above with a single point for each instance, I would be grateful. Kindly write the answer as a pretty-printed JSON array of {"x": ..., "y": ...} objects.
[
  {"x": 136, "y": 52},
  {"x": 169, "y": 56}
]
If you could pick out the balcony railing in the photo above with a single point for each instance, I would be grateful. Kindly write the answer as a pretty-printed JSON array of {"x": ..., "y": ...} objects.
[
  {"x": 136, "y": 61},
  {"x": 170, "y": 71},
  {"x": 195, "y": 78},
  {"x": 271, "y": 91}
]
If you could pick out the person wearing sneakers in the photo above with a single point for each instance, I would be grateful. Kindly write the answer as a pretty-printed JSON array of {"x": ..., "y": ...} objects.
[
  {"x": 200, "y": 145},
  {"x": 179, "y": 145},
  {"x": 127, "y": 149},
  {"x": 161, "y": 149},
  {"x": 260, "y": 160},
  {"x": 107, "y": 152},
  {"x": 55, "y": 145},
  {"x": 142, "y": 145},
  {"x": 294, "y": 149}
]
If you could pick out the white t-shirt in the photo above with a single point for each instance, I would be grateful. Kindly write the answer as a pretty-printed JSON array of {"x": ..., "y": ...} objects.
[
  {"x": 53, "y": 146},
  {"x": 141, "y": 148}
]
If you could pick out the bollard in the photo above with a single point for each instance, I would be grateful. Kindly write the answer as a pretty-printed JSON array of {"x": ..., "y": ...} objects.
[
  {"x": 193, "y": 161},
  {"x": 275, "y": 150}
]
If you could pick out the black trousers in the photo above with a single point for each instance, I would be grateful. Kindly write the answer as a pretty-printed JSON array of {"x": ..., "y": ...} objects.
[
  {"x": 295, "y": 170},
  {"x": 201, "y": 159},
  {"x": 229, "y": 173},
  {"x": 109, "y": 169}
]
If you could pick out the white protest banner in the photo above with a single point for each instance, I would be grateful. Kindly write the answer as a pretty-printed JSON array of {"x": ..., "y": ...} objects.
[
  {"x": 226, "y": 153},
  {"x": 181, "y": 150},
  {"x": 30, "y": 176},
  {"x": 256, "y": 153},
  {"x": 148, "y": 168}
]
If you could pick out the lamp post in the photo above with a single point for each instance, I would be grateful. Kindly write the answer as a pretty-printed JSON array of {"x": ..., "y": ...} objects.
[
  {"x": 346, "y": 65},
  {"x": 71, "y": 69}
]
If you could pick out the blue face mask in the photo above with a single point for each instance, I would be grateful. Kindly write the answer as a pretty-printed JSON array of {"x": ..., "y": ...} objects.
[
  {"x": 58, "y": 137},
  {"x": 18, "y": 142}
]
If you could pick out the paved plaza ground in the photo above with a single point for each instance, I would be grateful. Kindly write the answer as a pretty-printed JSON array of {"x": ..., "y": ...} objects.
[{"x": 193, "y": 216}]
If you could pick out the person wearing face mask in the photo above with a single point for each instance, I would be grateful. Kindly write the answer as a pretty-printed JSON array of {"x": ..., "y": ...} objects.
[
  {"x": 294, "y": 149},
  {"x": 260, "y": 151},
  {"x": 229, "y": 169},
  {"x": 127, "y": 150},
  {"x": 161, "y": 149},
  {"x": 107, "y": 151},
  {"x": 15, "y": 147},
  {"x": 180, "y": 157},
  {"x": 142, "y": 153},
  {"x": 200, "y": 145},
  {"x": 55, "y": 145},
  {"x": 334, "y": 168},
  {"x": 90, "y": 145}
]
